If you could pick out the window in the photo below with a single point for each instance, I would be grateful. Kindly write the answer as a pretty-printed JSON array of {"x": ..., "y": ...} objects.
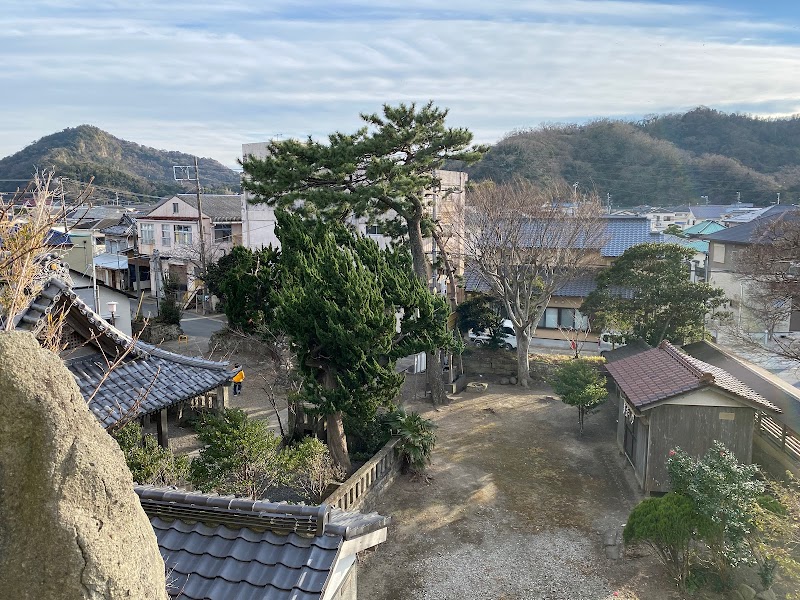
[
  {"x": 147, "y": 234},
  {"x": 553, "y": 318},
  {"x": 183, "y": 234},
  {"x": 175, "y": 208},
  {"x": 374, "y": 230},
  {"x": 223, "y": 233},
  {"x": 719, "y": 252},
  {"x": 165, "y": 236}
]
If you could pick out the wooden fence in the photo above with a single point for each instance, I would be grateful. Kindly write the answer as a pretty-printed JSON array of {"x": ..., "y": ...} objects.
[
  {"x": 779, "y": 435},
  {"x": 352, "y": 493}
]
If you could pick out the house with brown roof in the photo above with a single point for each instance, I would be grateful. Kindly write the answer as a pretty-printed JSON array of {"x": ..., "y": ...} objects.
[{"x": 668, "y": 399}]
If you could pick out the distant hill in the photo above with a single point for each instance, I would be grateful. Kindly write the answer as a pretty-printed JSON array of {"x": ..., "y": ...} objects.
[
  {"x": 663, "y": 160},
  {"x": 85, "y": 151}
]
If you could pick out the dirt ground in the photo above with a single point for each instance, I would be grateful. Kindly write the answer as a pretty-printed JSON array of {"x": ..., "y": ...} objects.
[{"x": 517, "y": 507}]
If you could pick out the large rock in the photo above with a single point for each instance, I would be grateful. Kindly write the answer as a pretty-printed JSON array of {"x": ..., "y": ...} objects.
[{"x": 71, "y": 525}]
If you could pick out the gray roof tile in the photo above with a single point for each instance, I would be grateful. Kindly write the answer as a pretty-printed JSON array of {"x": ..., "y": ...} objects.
[
  {"x": 212, "y": 561},
  {"x": 169, "y": 377}
]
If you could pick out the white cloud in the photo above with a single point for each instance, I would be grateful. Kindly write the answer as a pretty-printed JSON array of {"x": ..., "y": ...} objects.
[{"x": 234, "y": 74}]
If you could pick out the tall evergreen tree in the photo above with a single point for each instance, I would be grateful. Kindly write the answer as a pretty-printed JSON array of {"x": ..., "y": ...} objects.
[
  {"x": 246, "y": 280},
  {"x": 383, "y": 168},
  {"x": 338, "y": 303}
]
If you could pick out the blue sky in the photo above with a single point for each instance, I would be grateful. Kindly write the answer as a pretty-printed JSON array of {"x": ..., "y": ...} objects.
[{"x": 205, "y": 76}]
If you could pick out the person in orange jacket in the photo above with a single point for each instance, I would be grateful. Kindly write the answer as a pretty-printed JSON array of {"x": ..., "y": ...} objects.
[{"x": 237, "y": 380}]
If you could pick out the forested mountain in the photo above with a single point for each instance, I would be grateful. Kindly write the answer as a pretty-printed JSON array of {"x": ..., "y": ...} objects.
[
  {"x": 85, "y": 151},
  {"x": 662, "y": 160}
]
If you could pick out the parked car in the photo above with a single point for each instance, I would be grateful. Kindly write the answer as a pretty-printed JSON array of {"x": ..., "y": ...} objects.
[
  {"x": 610, "y": 340},
  {"x": 506, "y": 336}
]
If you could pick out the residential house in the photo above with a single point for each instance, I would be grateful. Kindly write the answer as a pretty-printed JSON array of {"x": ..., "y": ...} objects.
[
  {"x": 662, "y": 217},
  {"x": 668, "y": 399},
  {"x": 220, "y": 548},
  {"x": 119, "y": 265},
  {"x": 622, "y": 232},
  {"x": 702, "y": 228},
  {"x": 716, "y": 212},
  {"x": 724, "y": 248},
  {"x": 169, "y": 235}
]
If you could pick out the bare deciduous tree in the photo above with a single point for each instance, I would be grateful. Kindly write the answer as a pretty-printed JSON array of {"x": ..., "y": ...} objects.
[
  {"x": 526, "y": 241},
  {"x": 770, "y": 269}
]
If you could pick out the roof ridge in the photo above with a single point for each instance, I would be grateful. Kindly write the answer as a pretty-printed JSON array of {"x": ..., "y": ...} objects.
[
  {"x": 682, "y": 359},
  {"x": 214, "y": 510}
]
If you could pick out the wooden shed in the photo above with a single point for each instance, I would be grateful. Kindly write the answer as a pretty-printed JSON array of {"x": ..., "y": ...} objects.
[{"x": 667, "y": 399}]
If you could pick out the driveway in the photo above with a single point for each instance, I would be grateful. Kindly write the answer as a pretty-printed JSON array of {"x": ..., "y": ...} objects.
[{"x": 516, "y": 508}]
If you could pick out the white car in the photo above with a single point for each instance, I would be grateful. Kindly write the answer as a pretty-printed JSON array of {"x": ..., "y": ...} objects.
[
  {"x": 508, "y": 339},
  {"x": 610, "y": 340}
]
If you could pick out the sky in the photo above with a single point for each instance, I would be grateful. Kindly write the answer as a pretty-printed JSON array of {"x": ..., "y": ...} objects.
[{"x": 206, "y": 76}]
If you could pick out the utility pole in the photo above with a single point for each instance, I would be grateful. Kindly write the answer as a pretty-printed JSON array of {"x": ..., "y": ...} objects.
[
  {"x": 183, "y": 173},
  {"x": 202, "y": 235}
]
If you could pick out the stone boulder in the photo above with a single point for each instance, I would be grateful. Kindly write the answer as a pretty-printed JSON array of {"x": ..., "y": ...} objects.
[{"x": 71, "y": 525}]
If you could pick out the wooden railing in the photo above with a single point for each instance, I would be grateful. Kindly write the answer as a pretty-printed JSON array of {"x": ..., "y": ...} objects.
[
  {"x": 351, "y": 494},
  {"x": 779, "y": 434}
]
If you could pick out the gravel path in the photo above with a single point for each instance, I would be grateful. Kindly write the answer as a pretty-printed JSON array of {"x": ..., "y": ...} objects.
[{"x": 516, "y": 508}]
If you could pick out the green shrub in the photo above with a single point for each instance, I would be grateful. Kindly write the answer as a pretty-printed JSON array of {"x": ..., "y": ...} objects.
[
  {"x": 150, "y": 463},
  {"x": 725, "y": 495},
  {"x": 667, "y": 525},
  {"x": 417, "y": 438},
  {"x": 169, "y": 308},
  {"x": 580, "y": 384},
  {"x": 311, "y": 468},
  {"x": 242, "y": 456}
]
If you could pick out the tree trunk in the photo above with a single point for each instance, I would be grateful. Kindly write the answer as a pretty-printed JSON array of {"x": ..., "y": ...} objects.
[
  {"x": 337, "y": 441},
  {"x": 581, "y": 412},
  {"x": 523, "y": 360},
  {"x": 421, "y": 270}
]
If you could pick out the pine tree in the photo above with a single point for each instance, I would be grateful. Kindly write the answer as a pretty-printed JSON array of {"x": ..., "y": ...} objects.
[
  {"x": 339, "y": 297},
  {"x": 385, "y": 167}
]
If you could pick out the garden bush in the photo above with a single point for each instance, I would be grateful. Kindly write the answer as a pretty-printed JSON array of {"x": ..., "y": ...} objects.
[
  {"x": 668, "y": 525},
  {"x": 150, "y": 463}
]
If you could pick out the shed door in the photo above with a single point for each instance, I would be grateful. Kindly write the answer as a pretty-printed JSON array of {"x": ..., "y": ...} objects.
[{"x": 630, "y": 439}]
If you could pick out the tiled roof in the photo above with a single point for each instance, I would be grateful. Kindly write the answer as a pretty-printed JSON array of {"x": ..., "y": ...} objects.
[
  {"x": 580, "y": 287},
  {"x": 660, "y": 373},
  {"x": 702, "y": 227},
  {"x": 125, "y": 227},
  {"x": 147, "y": 380},
  {"x": 631, "y": 348},
  {"x": 145, "y": 383},
  {"x": 219, "y": 548},
  {"x": 746, "y": 232},
  {"x": 624, "y": 232},
  {"x": 715, "y": 211},
  {"x": 220, "y": 207}
]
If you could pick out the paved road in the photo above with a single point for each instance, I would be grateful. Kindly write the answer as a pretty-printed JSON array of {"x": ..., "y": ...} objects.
[{"x": 202, "y": 326}]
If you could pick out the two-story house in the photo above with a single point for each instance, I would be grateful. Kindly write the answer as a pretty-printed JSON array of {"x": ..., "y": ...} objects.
[
  {"x": 562, "y": 311},
  {"x": 170, "y": 236},
  {"x": 723, "y": 252}
]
